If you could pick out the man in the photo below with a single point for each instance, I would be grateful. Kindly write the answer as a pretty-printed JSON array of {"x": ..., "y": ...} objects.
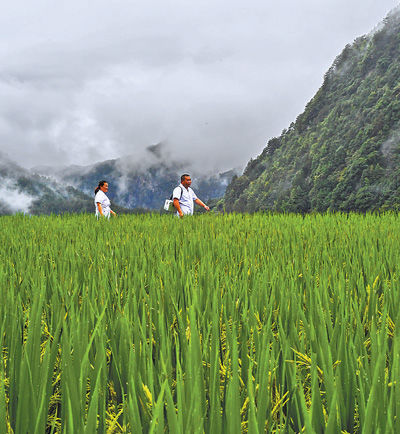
[{"x": 184, "y": 197}]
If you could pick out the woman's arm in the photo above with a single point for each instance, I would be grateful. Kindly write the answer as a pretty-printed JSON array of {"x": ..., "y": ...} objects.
[{"x": 99, "y": 207}]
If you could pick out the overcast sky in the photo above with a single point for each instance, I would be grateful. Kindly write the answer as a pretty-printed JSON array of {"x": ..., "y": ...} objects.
[{"x": 84, "y": 81}]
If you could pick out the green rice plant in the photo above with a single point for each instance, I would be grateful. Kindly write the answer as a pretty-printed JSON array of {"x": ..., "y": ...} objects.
[{"x": 216, "y": 323}]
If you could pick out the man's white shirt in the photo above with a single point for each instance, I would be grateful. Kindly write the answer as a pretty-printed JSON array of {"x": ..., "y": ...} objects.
[{"x": 186, "y": 198}]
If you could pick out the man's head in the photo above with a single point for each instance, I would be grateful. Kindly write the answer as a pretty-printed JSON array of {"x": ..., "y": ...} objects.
[{"x": 186, "y": 180}]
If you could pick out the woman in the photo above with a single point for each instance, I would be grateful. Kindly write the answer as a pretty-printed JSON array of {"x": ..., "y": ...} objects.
[{"x": 101, "y": 201}]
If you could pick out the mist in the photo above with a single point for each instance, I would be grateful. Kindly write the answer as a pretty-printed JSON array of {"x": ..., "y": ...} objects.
[{"x": 14, "y": 200}]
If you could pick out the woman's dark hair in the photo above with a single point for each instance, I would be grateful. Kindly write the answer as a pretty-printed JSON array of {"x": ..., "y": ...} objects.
[{"x": 101, "y": 183}]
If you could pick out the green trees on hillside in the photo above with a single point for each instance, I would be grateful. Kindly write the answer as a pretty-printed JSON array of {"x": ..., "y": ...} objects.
[{"x": 343, "y": 151}]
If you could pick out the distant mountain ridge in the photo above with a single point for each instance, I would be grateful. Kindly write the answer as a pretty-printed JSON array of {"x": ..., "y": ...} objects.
[
  {"x": 343, "y": 152},
  {"x": 22, "y": 191},
  {"x": 136, "y": 183}
]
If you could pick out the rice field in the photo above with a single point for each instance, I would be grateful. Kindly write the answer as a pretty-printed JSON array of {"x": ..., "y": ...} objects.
[{"x": 215, "y": 323}]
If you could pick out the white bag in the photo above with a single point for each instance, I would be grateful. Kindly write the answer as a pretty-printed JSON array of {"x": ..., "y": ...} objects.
[{"x": 169, "y": 205}]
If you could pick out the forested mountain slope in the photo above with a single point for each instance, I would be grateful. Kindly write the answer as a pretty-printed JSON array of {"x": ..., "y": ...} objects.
[{"x": 343, "y": 151}]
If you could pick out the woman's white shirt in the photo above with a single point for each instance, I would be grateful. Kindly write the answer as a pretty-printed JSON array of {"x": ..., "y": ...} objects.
[{"x": 105, "y": 203}]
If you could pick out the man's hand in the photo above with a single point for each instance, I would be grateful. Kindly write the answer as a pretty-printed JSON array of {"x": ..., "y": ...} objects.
[{"x": 200, "y": 203}]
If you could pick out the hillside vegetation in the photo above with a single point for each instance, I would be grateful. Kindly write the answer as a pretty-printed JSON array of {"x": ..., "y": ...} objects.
[{"x": 343, "y": 151}]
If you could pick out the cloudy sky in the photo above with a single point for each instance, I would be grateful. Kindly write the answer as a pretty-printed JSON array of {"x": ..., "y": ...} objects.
[{"x": 82, "y": 81}]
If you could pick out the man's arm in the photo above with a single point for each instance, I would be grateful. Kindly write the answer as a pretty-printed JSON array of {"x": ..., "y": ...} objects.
[
  {"x": 199, "y": 202},
  {"x": 178, "y": 207}
]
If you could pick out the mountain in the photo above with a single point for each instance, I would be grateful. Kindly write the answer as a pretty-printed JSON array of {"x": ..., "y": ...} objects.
[
  {"x": 22, "y": 191},
  {"x": 136, "y": 185},
  {"x": 343, "y": 152},
  {"x": 143, "y": 182}
]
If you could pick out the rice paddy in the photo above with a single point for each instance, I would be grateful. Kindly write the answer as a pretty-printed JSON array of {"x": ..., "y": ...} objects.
[{"x": 215, "y": 324}]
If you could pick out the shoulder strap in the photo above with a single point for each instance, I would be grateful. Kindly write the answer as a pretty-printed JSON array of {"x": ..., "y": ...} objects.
[{"x": 172, "y": 195}]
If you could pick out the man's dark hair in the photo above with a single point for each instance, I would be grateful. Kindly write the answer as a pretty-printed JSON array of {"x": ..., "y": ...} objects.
[{"x": 184, "y": 176}]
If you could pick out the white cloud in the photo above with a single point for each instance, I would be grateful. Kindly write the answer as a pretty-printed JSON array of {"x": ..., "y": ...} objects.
[{"x": 14, "y": 200}]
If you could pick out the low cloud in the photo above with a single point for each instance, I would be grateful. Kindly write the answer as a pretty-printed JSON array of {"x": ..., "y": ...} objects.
[
  {"x": 392, "y": 143},
  {"x": 14, "y": 200}
]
